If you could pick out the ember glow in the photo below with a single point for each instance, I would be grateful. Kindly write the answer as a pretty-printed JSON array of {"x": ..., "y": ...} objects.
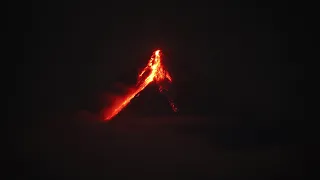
[{"x": 153, "y": 72}]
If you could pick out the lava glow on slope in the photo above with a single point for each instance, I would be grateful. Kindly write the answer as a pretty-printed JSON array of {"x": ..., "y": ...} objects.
[{"x": 153, "y": 72}]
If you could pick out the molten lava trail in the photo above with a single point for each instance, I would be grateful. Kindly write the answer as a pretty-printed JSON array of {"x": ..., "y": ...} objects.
[{"x": 157, "y": 73}]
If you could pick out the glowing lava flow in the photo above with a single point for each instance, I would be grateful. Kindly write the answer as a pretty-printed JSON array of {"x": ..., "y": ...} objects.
[{"x": 157, "y": 73}]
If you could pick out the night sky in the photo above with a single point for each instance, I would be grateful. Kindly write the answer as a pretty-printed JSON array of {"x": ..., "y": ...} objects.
[{"x": 229, "y": 61}]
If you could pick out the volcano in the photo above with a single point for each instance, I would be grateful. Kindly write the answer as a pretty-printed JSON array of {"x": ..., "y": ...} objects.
[{"x": 153, "y": 72}]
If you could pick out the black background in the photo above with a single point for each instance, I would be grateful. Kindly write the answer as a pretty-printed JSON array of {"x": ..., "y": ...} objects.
[{"x": 230, "y": 65}]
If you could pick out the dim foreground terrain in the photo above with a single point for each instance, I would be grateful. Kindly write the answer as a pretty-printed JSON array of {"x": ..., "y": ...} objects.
[{"x": 158, "y": 148}]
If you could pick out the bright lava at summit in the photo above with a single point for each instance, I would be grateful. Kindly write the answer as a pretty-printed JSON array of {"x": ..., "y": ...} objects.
[{"x": 157, "y": 73}]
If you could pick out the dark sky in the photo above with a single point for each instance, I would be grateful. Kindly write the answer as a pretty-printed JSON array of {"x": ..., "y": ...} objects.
[
  {"x": 227, "y": 58},
  {"x": 223, "y": 56}
]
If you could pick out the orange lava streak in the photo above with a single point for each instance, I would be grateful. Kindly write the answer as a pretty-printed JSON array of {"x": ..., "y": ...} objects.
[{"x": 157, "y": 73}]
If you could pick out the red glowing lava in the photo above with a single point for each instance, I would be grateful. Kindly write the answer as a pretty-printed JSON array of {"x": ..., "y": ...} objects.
[{"x": 153, "y": 72}]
